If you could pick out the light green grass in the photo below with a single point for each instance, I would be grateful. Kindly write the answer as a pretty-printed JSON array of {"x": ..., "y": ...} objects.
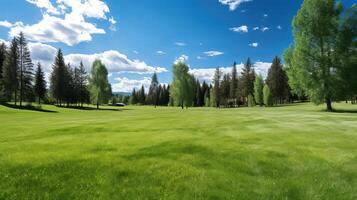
[{"x": 291, "y": 152}]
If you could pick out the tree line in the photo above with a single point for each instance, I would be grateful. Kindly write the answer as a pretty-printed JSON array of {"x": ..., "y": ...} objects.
[{"x": 70, "y": 86}]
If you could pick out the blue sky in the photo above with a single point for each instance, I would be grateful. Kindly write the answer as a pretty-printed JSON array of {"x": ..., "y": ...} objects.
[{"x": 136, "y": 38}]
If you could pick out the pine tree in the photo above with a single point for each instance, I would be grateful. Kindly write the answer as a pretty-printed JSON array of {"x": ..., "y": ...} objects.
[
  {"x": 152, "y": 97},
  {"x": 142, "y": 95},
  {"x": 248, "y": 76},
  {"x": 216, "y": 88},
  {"x": 57, "y": 80},
  {"x": 277, "y": 81},
  {"x": 25, "y": 70},
  {"x": 225, "y": 89},
  {"x": 2, "y": 62},
  {"x": 10, "y": 71},
  {"x": 234, "y": 84},
  {"x": 133, "y": 97},
  {"x": 258, "y": 90},
  {"x": 40, "y": 84},
  {"x": 82, "y": 83}
]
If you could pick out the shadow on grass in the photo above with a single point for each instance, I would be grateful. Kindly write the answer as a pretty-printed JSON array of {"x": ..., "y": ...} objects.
[
  {"x": 343, "y": 111},
  {"x": 28, "y": 107},
  {"x": 93, "y": 108}
]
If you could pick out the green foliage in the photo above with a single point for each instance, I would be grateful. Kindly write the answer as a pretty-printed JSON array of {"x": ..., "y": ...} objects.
[
  {"x": 100, "y": 89},
  {"x": 277, "y": 81},
  {"x": 258, "y": 90},
  {"x": 10, "y": 72},
  {"x": 183, "y": 86},
  {"x": 251, "y": 102},
  {"x": 267, "y": 96},
  {"x": 153, "y": 94},
  {"x": 216, "y": 94},
  {"x": 311, "y": 60},
  {"x": 234, "y": 82},
  {"x": 40, "y": 84}
]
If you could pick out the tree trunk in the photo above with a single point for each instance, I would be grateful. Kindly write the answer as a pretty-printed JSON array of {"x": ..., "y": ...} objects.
[
  {"x": 329, "y": 105},
  {"x": 97, "y": 105},
  {"x": 15, "y": 97}
]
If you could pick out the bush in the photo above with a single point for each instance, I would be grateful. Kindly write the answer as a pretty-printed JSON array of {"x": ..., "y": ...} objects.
[
  {"x": 251, "y": 102},
  {"x": 268, "y": 98}
]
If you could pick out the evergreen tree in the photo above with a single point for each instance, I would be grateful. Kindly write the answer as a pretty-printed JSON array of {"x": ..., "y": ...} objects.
[
  {"x": 58, "y": 83},
  {"x": 277, "y": 81},
  {"x": 40, "y": 84},
  {"x": 10, "y": 71},
  {"x": 258, "y": 90},
  {"x": 198, "y": 97},
  {"x": 247, "y": 80},
  {"x": 216, "y": 88},
  {"x": 99, "y": 86},
  {"x": 153, "y": 95},
  {"x": 234, "y": 84},
  {"x": 225, "y": 89},
  {"x": 133, "y": 97},
  {"x": 142, "y": 95},
  {"x": 25, "y": 70},
  {"x": 2, "y": 62}
]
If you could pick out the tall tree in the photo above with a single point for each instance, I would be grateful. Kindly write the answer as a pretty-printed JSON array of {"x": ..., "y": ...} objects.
[
  {"x": 247, "y": 80},
  {"x": 267, "y": 97},
  {"x": 82, "y": 83},
  {"x": 153, "y": 95},
  {"x": 10, "y": 71},
  {"x": 2, "y": 61},
  {"x": 234, "y": 84},
  {"x": 182, "y": 88},
  {"x": 216, "y": 88},
  {"x": 225, "y": 89},
  {"x": 258, "y": 90},
  {"x": 99, "y": 86},
  {"x": 25, "y": 69},
  {"x": 315, "y": 29},
  {"x": 277, "y": 81},
  {"x": 142, "y": 95},
  {"x": 58, "y": 82},
  {"x": 40, "y": 83},
  {"x": 133, "y": 97}
]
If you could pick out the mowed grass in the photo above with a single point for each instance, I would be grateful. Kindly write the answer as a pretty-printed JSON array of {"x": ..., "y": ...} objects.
[{"x": 290, "y": 152}]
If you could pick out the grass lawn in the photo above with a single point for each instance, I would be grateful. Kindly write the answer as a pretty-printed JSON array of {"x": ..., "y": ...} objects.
[{"x": 291, "y": 152}]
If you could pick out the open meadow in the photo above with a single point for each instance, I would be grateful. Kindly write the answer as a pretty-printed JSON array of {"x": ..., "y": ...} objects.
[{"x": 290, "y": 152}]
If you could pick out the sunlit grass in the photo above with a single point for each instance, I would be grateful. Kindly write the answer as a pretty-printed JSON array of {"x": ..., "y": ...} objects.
[{"x": 290, "y": 152}]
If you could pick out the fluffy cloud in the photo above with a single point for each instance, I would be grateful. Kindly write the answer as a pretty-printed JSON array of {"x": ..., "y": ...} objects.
[
  {"x": 161, "y": 52},
  {"x": 66, "y": 22},
  {"x": 180, "y": 44},
  {"x": 213, "y": 53},
  {"x": 256, "y": 28},
  {"x": 43, "y": 53},
  {"x": 263, "y": 29},
  {"x": 279, "y": 27},
  {"x": 126, "y": 85},
  {"x": 254, "y": 44},
  {"x": 115, "y": 62},
  {"x": 5, "y": 24},
  {"x": 206, "y": 74},
  {"x": 233, "y": 4},
  {"x": 240, "y": 29},
  {"x": 183, "y": 58}
]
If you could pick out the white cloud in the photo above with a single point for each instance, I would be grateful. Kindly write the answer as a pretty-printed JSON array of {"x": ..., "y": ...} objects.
[
  {"x": 6, "y": 24},
  {"x": 126, "y": 85},
  {"x": 71, "y": 27},
  {"x": 183, "y": 58},
  {"x": 161, "y": 52},
  {"x": 265, "y": 15},
  {"x": 136, "y": 52},
  {"x": 180, "y": 44},
  {"x": 115, "y": 62},
  {"x": 233, "y": 4},
  {"x": 213, "y": 53},
  {"x": 206, "y": 74},
  {"x": 7, "y": 43},
  {"x": 254, "y": 44},
  {"x": 263, "y": 29},
  {"x": 279, "y": 27},
  {"x": 200, "y": 58},
  {"x": 256, "y": 28},
  {"x": 240, "y": 29},
  {"x": 45, "y": 4}
]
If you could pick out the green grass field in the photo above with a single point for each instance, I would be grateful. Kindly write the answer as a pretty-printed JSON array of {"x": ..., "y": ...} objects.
[{"x": 290, "y": 152}]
